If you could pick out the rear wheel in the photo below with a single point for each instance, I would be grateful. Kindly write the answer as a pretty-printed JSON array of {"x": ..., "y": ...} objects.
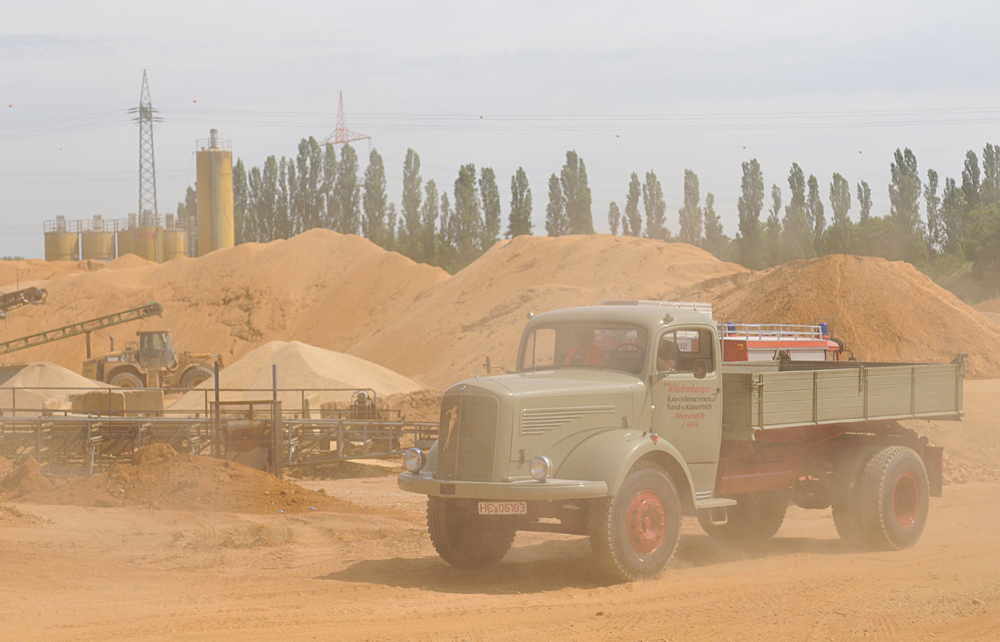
[
  {"x": 463, "y": 537},
  {"x": 635, "y": 533},
  {"x": 893, "y": 498},
  {"x": 126, "y": 380},
  {"x": 755, "y": 518}
]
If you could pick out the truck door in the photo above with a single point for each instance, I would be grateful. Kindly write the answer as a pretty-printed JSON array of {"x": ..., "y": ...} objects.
[{"x": 687, "y": 401}]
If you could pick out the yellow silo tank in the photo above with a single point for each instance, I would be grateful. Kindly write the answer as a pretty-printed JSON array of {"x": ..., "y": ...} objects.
[
  {"x": 149, "y": 243},
  {"x": 174, "y": 244},
  {"x": 215, "y": 196},
  {"x": 126, "y": 242},
  {"x": 62, "y": 246},
  {"x": 98, "y": 245}
]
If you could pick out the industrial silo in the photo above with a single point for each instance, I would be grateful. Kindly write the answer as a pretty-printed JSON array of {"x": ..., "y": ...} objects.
[
  {"x": 61, "y": 243},
  {"x": 97, "y": 242},
  {"x": 149, "y": 242},
  {"x": 215, "y": 194},
  {"x": 174, "y": 241},
  {"x": 126, "y": 235}
]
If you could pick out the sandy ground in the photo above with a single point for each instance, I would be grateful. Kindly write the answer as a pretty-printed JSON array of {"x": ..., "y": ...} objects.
[{"x": 72, "y": 573}]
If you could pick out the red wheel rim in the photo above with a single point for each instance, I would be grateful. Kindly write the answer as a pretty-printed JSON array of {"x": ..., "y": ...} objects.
[
  {"x": 906, "y": 500},
  {"x": 647, "y": 522}
]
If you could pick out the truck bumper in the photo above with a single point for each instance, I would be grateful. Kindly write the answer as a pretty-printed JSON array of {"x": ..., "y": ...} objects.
[{"x": 517, "y": 490}]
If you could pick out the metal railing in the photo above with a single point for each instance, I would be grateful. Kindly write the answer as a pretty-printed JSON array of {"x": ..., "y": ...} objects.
[
  {"x": 68, "y": 443},
  {"x": 770, "y": 331}
]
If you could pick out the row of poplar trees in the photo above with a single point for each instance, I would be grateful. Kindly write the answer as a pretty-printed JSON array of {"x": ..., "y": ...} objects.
[
  {"x": 950, "y": 231},
  {"x": 288, "y": 196},
  {"x": 956, "y": 240}
]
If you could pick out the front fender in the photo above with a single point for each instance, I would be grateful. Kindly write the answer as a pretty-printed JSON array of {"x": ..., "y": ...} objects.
[{"x": 608, "y": 455}]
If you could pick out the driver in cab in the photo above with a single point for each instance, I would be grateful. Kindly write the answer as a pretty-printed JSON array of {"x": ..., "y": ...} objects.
[
  {"x": 667, "y": 356},
  {"x": 586, "y": 352}
]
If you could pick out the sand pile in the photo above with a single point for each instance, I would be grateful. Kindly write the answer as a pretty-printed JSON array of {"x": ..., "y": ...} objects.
[
  {"x": 423, "y": 405},
  {"x": 28, "y": 272},
  {"x": 882, "y": 310},
  {"x": 990, "y": 310},
  {"x": 161, "y": 478},
  {"x": 481, "y": 310},
  {"x": 323, "y": 288},
  {"x": 300, "y": 366},
  {"x": 343, "y": 293},
  {"x": 26, "y": 478},
  {"x": 49, "y": 387},
  {"x": 32, "y": 272},
  {"x": 989, "y": 306},
  {"x": 129, "y": 261}
]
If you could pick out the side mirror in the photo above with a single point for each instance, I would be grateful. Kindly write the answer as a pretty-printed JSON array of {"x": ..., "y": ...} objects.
[
  {"x": 488, "y": 368},
  {"x": 700, "y": 368}
]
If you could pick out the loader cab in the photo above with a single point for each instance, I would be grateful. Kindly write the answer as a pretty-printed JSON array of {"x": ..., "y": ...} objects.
[{"x": 156, "y": 350}]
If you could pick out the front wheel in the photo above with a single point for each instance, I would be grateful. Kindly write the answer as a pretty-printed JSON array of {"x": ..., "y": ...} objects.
[
  {"x": 195, "y": 376},
  {"x": 463, "y": 537},
  {"x": 635, "y": 533}
]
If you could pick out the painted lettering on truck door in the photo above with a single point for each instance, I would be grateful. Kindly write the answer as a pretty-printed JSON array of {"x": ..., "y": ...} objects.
[{"x": 687, "y": 403}]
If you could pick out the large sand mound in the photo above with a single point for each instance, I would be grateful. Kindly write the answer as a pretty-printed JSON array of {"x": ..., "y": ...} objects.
[
  {"x": 989, "y": 306},
  {"x": 161, "y": 478},
  {"x": 990, "y": 310},
  {"x": 28, "y": 272},
  {"x": 882, "y": 310},
  {"x": 345, "y": 294},
  {"x": 32, "y": 272},
  {"x": 324, "y": 288},
  {"x": 49, "y": 387},
  {"x": 300, "y": 366},
  {"x": 481, "y": 310}
]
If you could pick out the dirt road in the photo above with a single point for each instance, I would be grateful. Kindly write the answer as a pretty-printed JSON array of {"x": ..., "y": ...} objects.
[{"x": 72, "y": 573}]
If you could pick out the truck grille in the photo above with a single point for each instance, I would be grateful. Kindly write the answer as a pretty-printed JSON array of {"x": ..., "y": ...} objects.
[{"x": 467, "y": 438}]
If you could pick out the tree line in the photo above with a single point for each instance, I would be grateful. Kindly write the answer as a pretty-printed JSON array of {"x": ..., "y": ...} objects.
[{"x": 957, "y": 240}]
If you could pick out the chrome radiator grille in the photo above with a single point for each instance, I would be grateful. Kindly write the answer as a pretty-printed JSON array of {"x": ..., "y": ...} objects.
[{"x": 467, "y": 438}]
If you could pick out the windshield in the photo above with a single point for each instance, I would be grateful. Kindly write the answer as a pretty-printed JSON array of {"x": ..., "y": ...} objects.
[{"x": 584, "y": 345}]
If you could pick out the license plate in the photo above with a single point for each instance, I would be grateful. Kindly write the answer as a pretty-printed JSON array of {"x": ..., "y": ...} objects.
[{"x": 503, "y": 508}]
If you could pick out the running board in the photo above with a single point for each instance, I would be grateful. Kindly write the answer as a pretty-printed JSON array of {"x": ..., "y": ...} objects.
[{"x": 714, "y": 502}]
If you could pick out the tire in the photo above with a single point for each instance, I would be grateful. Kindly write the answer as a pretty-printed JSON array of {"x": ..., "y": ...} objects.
[
  {"x": 193, "y": 376},
  {"x": 126, "y": 380},
  {"x": 844, "y": 500},
  {"x": 893, "y": 499},
  {"x": 634, "y": 534},
  {"x": 465, "y": 539},
  {"x": 754, "y": 520}
]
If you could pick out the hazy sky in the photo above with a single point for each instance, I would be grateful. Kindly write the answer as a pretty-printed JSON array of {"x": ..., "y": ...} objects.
[{"x": 631, "y": 87}]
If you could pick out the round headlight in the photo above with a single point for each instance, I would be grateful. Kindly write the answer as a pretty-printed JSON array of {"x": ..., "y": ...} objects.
[
  {"x": 540, "y": 467},
  {"x": 414, "y": 460}
]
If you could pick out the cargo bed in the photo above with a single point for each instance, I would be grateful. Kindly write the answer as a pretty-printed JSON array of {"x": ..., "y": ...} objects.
[{"x": 772, "y": 395}]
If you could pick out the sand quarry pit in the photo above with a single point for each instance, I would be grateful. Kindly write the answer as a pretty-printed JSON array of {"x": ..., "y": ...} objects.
[
  {"x": 362, "y": 568},
  {"x": 175, "y": 547}
]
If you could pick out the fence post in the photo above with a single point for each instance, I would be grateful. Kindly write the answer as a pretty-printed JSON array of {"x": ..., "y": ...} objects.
[
  {"x": 217, "y": 439},
  {"x": 276, "y": 431},
  {"x": 275, "y": 423}
]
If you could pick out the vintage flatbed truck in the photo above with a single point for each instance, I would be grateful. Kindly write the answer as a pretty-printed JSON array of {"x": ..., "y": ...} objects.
[{"x": 620, "y": 419}]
